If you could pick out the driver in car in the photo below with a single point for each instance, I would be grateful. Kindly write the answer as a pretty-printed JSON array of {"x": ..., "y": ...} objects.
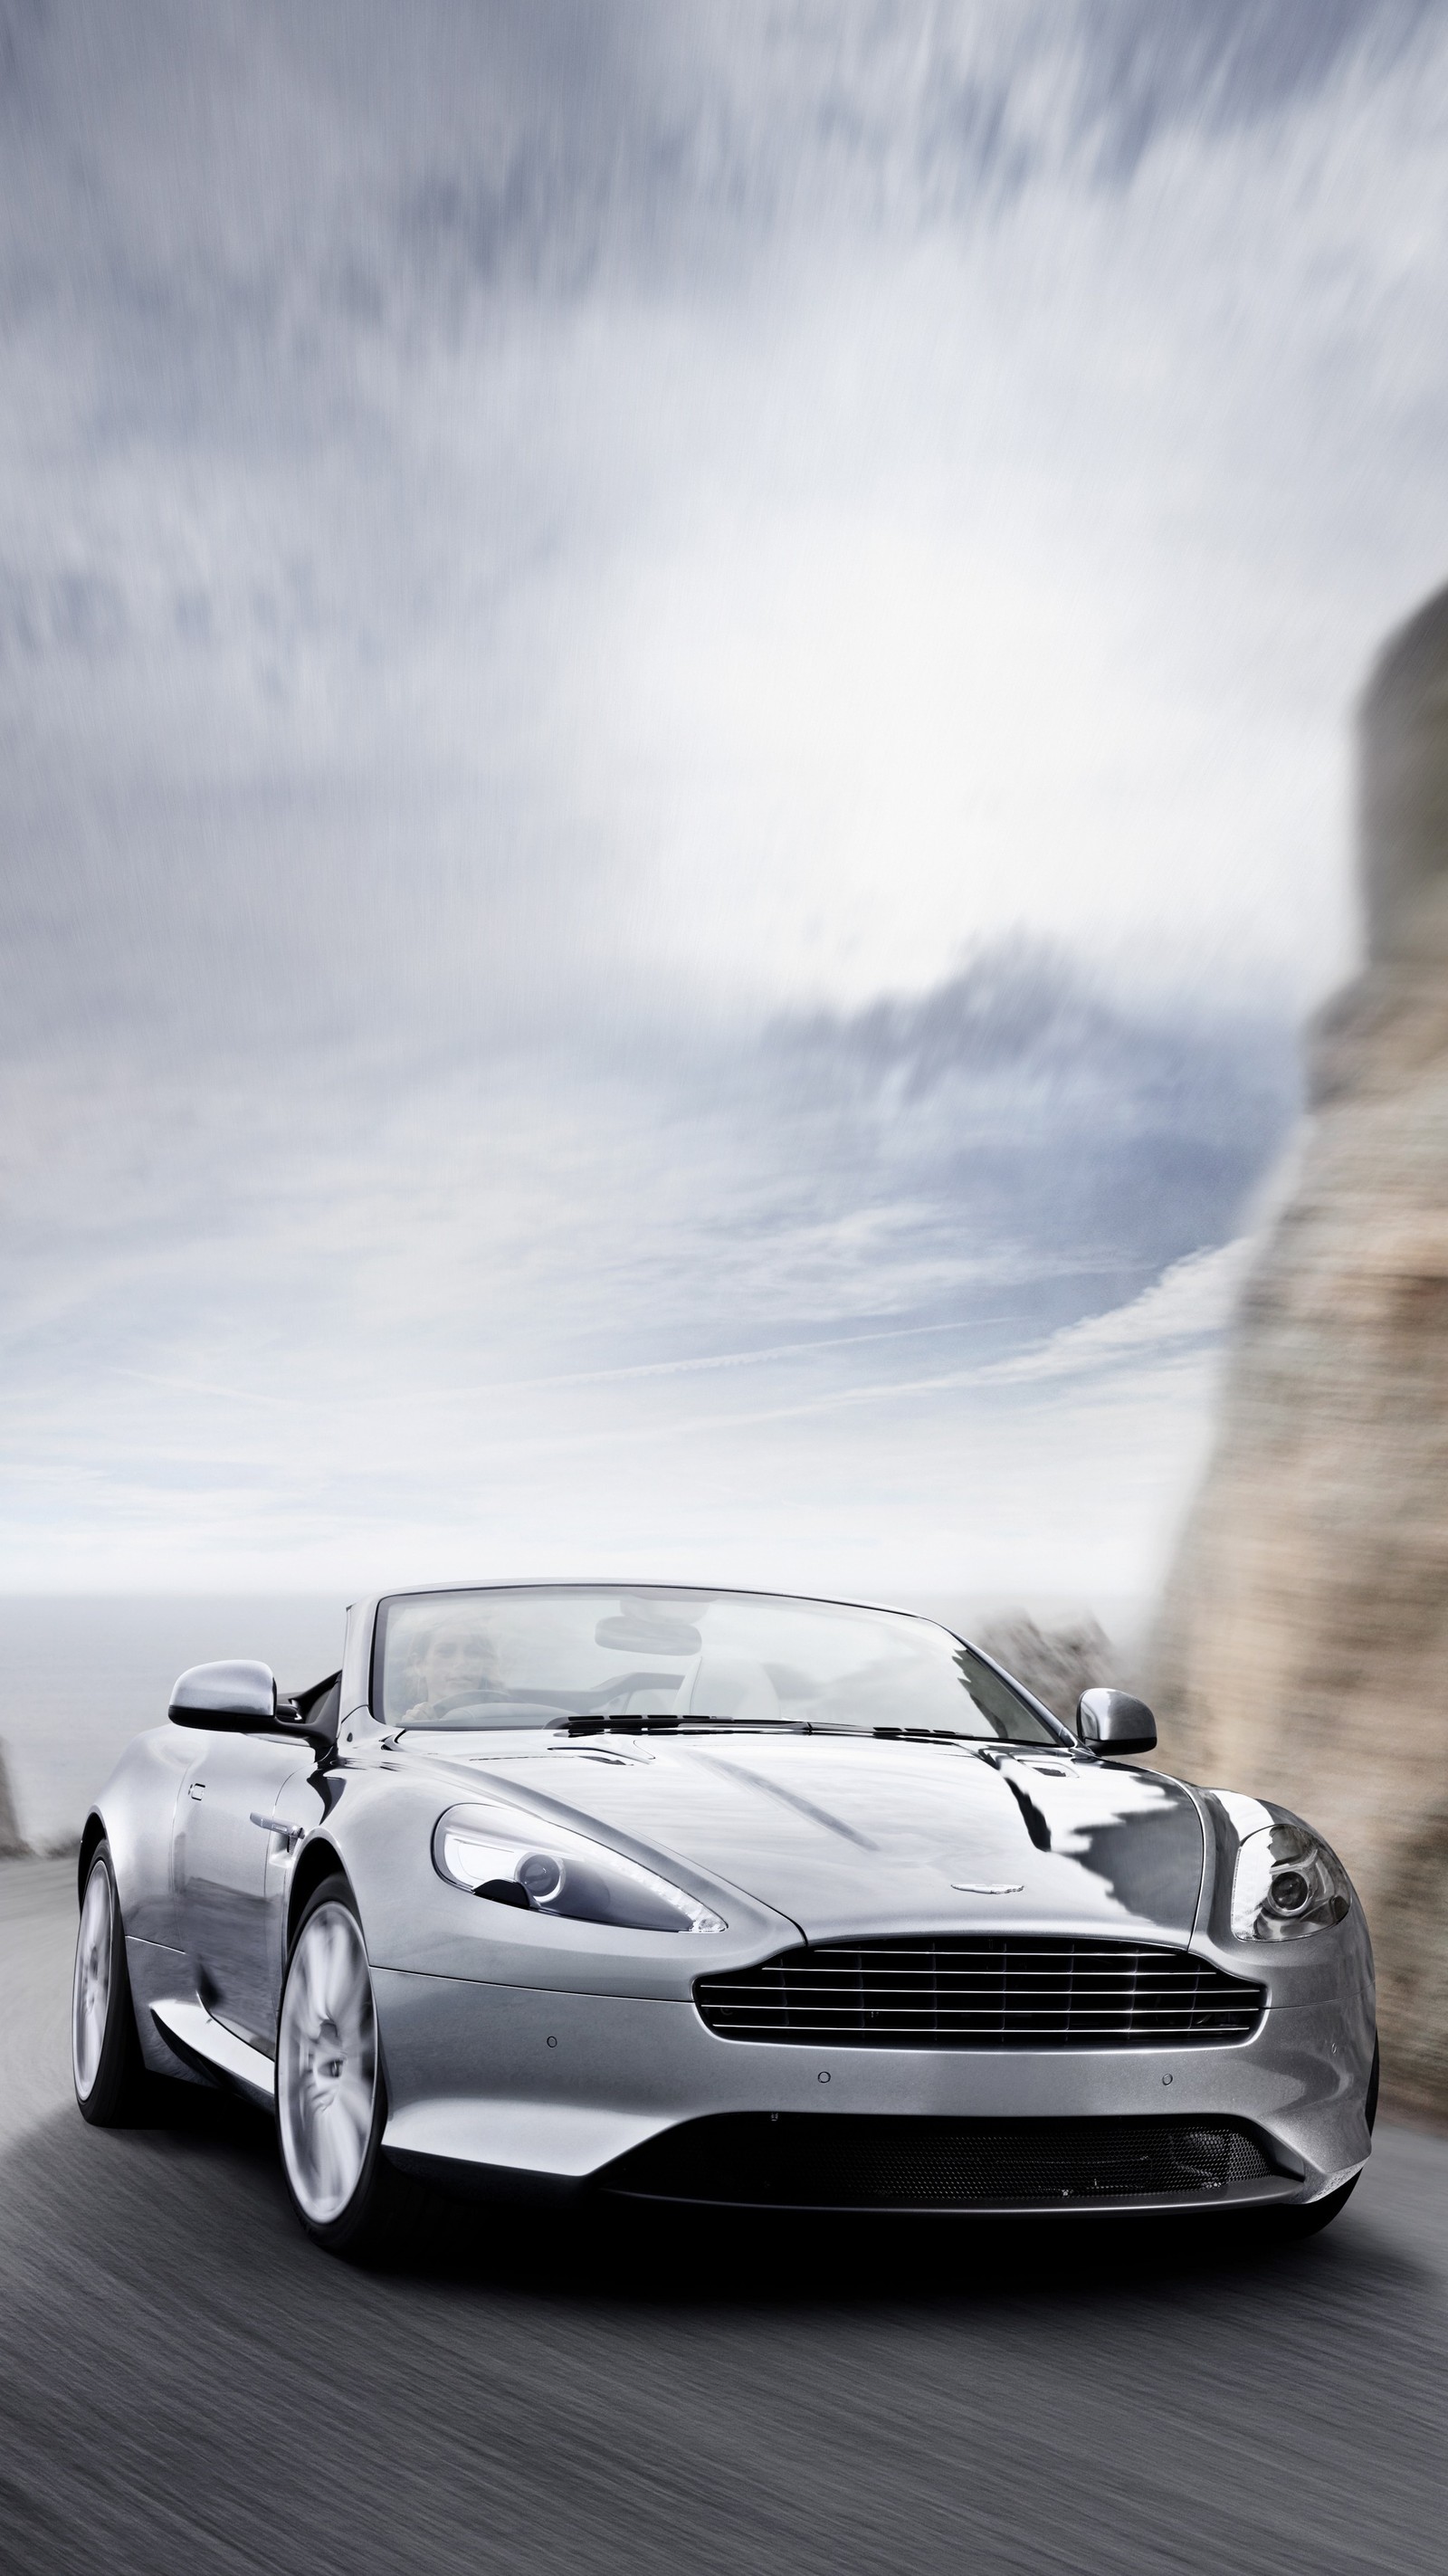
[{"x": 458, "y": 1663}]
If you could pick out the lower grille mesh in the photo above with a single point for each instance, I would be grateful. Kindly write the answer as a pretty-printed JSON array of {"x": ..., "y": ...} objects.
[
  {"x": 983, "y": 1991},
  {"x": 805, "y": 2160}
]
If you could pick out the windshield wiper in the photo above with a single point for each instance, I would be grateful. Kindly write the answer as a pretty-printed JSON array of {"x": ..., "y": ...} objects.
[
  {"x": 667, "y": 1722},
  {"x": 920, "y": 1734}
]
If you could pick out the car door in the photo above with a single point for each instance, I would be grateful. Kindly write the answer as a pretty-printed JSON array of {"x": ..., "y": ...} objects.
[{"x": 229, "y": 1890}]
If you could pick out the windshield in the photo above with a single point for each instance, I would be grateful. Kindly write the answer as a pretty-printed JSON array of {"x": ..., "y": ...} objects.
[{"x": 539, "y": 1656}]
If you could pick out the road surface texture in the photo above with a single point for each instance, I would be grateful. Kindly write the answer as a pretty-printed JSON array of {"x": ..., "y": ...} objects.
[{"x": 187, "y": 2385}]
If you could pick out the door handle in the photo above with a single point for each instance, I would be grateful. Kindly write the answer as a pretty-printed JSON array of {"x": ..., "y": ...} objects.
[
  {"x": 198, "y": 1788},
  {"x": 278, "y": 1825}
]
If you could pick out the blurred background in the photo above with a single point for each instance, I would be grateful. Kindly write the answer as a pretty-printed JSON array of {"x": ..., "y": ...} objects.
[
  {"x": 675, "y": 773},
  {"x": 695, "y": 882}
]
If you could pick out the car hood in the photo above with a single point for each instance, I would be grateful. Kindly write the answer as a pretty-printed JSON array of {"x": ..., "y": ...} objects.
[{"x": 852, "y": 1836}]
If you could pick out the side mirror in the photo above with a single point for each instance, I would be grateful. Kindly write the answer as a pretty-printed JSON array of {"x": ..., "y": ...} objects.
[
  {"x": 225, "y": 1699},
  {"x": 1114, "y": 1722}
]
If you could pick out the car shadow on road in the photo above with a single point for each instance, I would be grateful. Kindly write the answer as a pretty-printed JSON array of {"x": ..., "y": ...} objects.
[
  {"x": 727, "y": 2259},
  {"x": 201, "y": 2168}
]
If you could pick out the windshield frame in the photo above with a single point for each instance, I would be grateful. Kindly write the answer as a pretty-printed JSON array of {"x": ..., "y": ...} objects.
[{"x": 1058, "y": 1734}]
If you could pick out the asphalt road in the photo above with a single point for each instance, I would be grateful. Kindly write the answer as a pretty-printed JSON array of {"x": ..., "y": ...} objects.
[{"x": 187, "y": 2385}]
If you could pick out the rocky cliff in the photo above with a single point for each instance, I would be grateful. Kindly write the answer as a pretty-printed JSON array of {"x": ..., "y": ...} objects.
[
  {"x": 1302, "y": 1649},
  {"x": 11, "y": 1838}
]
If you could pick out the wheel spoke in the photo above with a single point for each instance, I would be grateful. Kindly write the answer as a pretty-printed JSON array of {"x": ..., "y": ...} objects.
[
  {"x": 325, "y": 1946},
  {"x": 330, "y": 1953},
  {"x": 353, "y": 2110},
  {"x": 330, "y": 2161},
  {"x": 337, "y": 1967},
  {"x": 313, "y": 2006}
]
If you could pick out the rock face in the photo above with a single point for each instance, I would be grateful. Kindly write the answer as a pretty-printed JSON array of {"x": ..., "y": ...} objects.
[
  {"x": 1058, "y": 1663},
  {"x": 1302, "y": 1647},
  {"x": 12, "y": 1840}
]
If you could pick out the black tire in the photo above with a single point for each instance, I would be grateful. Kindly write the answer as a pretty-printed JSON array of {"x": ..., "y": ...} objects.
[
  {"x": 371, "y": 2215},
  {"x": 111, "y": 2084}
]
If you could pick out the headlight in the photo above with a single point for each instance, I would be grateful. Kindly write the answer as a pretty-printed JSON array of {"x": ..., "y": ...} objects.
[
  {"x": 497, "y": 1852},
  {"x": 1286, "y": 1883}
]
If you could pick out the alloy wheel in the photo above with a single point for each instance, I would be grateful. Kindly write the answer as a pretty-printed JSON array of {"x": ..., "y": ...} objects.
[
  {"x": 326, "y": 2064},
  {"x": 91, "y": 1989}
]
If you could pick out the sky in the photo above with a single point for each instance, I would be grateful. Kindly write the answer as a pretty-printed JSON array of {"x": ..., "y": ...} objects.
[{"x": 676, "y": 764}]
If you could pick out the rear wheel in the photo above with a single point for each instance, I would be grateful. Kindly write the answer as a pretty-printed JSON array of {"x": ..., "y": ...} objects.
[
  {"x": 105, "y": 2047},
  {"x": 331, "y": 2095}
]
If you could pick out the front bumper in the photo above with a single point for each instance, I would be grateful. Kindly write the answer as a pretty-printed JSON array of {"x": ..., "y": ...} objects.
[{"x": 521, "y": 2090}]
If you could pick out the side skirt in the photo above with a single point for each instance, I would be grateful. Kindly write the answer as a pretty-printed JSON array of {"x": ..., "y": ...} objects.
[{"x": 210, "y": 2049}]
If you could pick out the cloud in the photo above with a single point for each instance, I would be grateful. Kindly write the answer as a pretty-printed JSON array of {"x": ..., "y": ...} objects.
[
  {"x": 1188, "y": 1307},
  {"x": 672, "y": 692},
  {"x": 1192, "y": 1302},
  {"x": 1053, "y": 1109}
]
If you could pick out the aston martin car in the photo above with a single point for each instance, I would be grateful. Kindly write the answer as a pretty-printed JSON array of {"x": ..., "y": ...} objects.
[{"x": 559, "y": 1890}]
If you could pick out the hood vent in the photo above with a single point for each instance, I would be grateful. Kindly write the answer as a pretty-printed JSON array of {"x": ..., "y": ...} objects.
[{"x": 981, "y": 1992}]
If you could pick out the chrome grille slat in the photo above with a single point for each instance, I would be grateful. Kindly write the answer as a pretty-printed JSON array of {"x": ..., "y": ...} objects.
[
  {"x": 983, "y": 1991},
  {"x": 856, "y": 1997}
]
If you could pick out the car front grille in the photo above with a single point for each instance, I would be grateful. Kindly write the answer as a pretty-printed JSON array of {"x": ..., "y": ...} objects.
[
  {"x": 983, "y": 1992},
  {"x": 809, "y": 2160}
]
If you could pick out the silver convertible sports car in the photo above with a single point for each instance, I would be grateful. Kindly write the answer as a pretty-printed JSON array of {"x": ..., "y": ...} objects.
[{"x": 717, "y": 1897}]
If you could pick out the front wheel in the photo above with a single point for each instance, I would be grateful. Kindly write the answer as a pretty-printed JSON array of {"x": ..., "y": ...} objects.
[
  {"x": 331, "y": 2097},
  {"x": 105, "y": 2048}
]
